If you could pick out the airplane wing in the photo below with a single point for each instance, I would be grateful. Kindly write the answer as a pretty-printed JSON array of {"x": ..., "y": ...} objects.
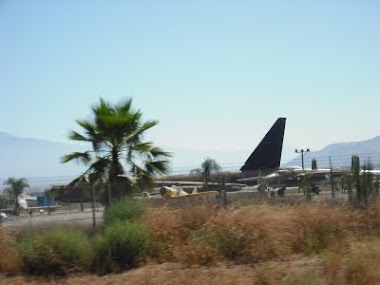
[
  {"x": 374, "y": 172},
  {"x": 316, "y": 173},
  {"x": 177, "y": 192},
  {"x": 202, "y": 194},
  {"x": 249, "y": 179}
]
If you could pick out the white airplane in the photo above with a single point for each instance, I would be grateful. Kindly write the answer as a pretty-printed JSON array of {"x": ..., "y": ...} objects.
[{"x": 177, "y": 192}]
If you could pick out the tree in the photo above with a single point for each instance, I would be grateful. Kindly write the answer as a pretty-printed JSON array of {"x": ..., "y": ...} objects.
[
  {"x": 314, "y": 165},
  {"x": 16, "y": 187},
  {"x": 208, "y": 166},
  {"x": 118, "y": 152}
]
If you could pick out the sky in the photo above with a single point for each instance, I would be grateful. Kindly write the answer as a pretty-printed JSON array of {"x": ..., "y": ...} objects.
[{"x": 216, "y": 74}]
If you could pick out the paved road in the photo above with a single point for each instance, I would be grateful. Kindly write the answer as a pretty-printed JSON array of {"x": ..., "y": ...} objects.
[{"x": 56, "y": 218}]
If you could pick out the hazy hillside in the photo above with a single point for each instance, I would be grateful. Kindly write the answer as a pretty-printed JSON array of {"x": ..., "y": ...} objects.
[
  {"x": 29, "y": 157},
  {"x": 38, "y": 160},
  {"x": 341, "y": 154}
]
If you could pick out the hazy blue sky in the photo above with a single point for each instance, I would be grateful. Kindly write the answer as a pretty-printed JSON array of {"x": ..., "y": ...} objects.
[{"x": 216, "y": 74}]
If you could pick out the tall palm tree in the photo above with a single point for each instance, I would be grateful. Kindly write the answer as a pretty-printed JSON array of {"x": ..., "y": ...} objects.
[
  {"x": 16, "y": 187},
  {"x": 115, "y": 133}
]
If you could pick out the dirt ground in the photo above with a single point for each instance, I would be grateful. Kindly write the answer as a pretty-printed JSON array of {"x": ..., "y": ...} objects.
[{"x": 175, "y": 273}]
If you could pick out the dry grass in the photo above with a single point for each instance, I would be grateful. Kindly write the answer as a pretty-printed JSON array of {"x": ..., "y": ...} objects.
[
  {"x": 250, "y": 234},
  {"x": 10, "y": 262},
  {"x": 316, "y": 228},
  {"x": 299, "y": 270},
  {"x": 358, "y": 264},
  {"x": 173, "y": 229},
  {"x": 252, "y": 244},
  {"x": 165, "y": 274}
]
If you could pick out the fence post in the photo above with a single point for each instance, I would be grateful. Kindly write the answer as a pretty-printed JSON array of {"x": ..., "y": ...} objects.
[
  {"x": 331, "y": 179},
  {"x": 224, "y": 198}
]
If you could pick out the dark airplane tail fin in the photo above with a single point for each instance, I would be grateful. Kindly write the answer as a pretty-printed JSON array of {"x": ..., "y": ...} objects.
[{"x": 267, "y": 154}]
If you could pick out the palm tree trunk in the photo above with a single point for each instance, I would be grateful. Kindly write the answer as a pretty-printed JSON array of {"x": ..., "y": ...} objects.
[
  {"x": 109, "y": 196},
  {"x": 17, "y": 207},
  {"x": 93, "y": 206}
]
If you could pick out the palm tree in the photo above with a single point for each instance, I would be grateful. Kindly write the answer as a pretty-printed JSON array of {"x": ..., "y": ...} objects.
[
  {"x": 118, "y": 152},
  {"x": 208, "y": 166},
  {"x": 16, "y": 187}
]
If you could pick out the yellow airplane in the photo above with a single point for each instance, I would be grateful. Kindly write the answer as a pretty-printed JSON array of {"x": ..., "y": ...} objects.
[{"x": 178, "y": 192}]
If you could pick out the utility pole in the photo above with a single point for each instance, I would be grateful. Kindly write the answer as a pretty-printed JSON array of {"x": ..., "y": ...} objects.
[{"x": 302, "y": 152}]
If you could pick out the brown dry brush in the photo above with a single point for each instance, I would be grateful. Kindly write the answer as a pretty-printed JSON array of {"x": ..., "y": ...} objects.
[
  {"x": 10, "y": 261},
  {"x": 358, "y": 264},
  {"x": 247, "y": 234},
  {"x": 316, "y": 228},
  {"x": 251, "y": 234},
  {"x": 257, "y": 235},
  {"x": 173, "y": 229}
]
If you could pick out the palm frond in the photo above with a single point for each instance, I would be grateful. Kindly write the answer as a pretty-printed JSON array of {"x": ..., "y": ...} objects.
[
  {"x": 146, "y": 126},
  {"x": 100, "y": 166},
  {"x": 144, "y": 147},
  {"x": 78, "y": 180},
  {"x": 75, "y": 136},
  {"x": 80, "y": 157},
  {"x": 159, "y": 152},
  {"x": 124, "y": 107},
  {"x": 157, "y": 167}
]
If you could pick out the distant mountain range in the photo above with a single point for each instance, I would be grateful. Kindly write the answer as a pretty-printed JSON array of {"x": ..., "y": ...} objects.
[
  {"x": 29, "y": 157},
  {"x": 341, "y": 154},
  {"x": 39, "y": 160}
]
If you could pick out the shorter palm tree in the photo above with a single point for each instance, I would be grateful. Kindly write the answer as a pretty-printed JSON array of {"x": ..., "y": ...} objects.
[
  {"x": 16, "y": 187},
  {"x": 207, "y": 168}
]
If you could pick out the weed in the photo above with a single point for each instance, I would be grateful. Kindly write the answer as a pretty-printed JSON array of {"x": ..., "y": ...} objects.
[
  {"x": 230, "y": 243},
  {"x": 10, "y": 262},
  {"x": 57, "y": 252},
  {"x": 120, "y": 246},
  {"x": 126, "y": 209},
  {"x": 318, "y": 227}
]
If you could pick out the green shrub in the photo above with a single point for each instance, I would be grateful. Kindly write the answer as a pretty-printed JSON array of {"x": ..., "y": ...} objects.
[
  {"x": 126, "y": 209},
  {"x": 318, "y": 239},
  {"x": 228, "y": 243},
  {"x": 120, "y": 246},
  {"x": 57, "y": 251}
]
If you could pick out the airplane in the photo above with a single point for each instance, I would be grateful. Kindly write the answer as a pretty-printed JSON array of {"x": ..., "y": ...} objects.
[
  {"x": 264, "y": 159},
  {"x": 286, "y": 178},
  {"x": 291, "y": 176},
  {"x": 189, "y": 185},
  {"x": 262, "y": 169},
  {"x": 177, "y": 192}
]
